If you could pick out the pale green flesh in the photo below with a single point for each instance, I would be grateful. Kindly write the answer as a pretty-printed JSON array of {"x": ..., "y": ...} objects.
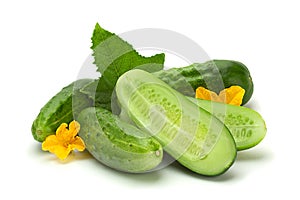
[
  {"x": 246, "y": 125},
  {"x": 193, "y": 136}
]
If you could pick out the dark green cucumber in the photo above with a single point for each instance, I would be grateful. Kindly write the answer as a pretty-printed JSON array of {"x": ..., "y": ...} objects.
[
  {"x": 60, "y": 109},
  {"x": 246, "y": 125},
  {"x": 190, "y": 134},
  {"x": 214, "y": 75},
  {"x": 117, "y": 144}
]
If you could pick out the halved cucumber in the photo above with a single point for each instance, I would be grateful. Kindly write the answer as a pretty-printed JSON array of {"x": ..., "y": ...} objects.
[
  {"x": 193, "y": 136},
  {"x": 246, "y": 125}
]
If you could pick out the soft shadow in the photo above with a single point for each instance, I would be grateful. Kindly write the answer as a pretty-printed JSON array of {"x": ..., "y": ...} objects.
[
  {"x": 253, "y": 104},
  {"x": 145, "y": 178},
  {"x": 153, "y": 177},
  {"x": 36, "y": 150},
  {"x": 77, "y": 156},
  {"x": 133, "y": 178},
  {"x": 254, "y": 155},
  {"x": 228, "y": 175}
]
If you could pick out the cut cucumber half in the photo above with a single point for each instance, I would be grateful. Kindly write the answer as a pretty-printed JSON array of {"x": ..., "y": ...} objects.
[
  {"x": 193, "y": 136},
  {"x": 246, "y": 125}
]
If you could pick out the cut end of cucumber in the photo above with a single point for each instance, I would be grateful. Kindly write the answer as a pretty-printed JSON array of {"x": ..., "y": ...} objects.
[
  {"x": 188, "y": 133},
  {"x": 218, "y": 161},
  {"x": 176, "y": 126},
  {"x": 247, "y": 126}
]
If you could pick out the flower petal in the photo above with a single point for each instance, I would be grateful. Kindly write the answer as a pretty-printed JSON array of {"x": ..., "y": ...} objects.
[
  {"x": 62, "y": 152},
  {"x": 61, "y": 132},
  {"x": 74, "y": 128},
  {"x": 206, "y": 94},
  {"x": 77, "y": 144},
  {"x": 232, "y": 95},
  {"x": 54, "y": 146},
  {"x": 64, "y": 141},
  {"x": 50, "y": 143}
]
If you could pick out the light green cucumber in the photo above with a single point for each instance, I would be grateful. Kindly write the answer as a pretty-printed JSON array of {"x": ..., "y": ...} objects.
[
  {"x": 193, "y": 136},
  {"x": 246, "y": 125},
  {"x": 117, "y": 144},
  {"x": 61, "y": 108}
]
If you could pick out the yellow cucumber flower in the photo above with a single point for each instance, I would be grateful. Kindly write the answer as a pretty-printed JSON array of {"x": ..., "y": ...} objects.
[
  {"x": 64, "y": 141},
  {"x": 232, "y": 95}
]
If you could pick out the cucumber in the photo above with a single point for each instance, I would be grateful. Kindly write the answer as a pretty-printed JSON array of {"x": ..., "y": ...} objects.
[
  {"x": 117, "y": 144},
  {"x": 193, "y": 136},
  {"x": 246, "y": 125},
  {"x": 214, "y": 75},
  {"x": 60, "y": 109}
]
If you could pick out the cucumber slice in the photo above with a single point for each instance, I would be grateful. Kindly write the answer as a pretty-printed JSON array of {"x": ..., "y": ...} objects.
[
  {"x": 246, "y": 125},
  {"x": 193, "y": 136}
]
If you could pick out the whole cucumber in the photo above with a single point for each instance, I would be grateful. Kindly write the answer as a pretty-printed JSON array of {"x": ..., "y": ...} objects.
[
  {"x": 117, "y": 144},
  {"x": 60, "y": 109},
  {"x": 214, "y": 75}
]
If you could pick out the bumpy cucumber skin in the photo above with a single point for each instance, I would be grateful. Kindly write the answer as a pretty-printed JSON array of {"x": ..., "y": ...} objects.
[
  {"x": 187, "y": 79},
  {"x": 247, "y": 126},
  {"x": 117, "y": 144},
  {"x": 60, "y": 109},
  {"x": 223, "y": 151}
]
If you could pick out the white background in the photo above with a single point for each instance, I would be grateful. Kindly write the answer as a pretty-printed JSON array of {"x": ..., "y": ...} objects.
[{"x": 44, "y": 43}]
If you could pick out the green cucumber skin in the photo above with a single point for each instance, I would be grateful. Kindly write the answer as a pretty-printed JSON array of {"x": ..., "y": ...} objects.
[
  {"x": 247, "y": 127},
  {"x": 187, "y": 79},
  {"x": 216, "y": 159},
  {"x": 117, "y": 144},
  {"x": 60, "y": 109}
]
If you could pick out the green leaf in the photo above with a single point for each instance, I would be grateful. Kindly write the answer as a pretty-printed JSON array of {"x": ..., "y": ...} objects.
[{"x": 113, "y": 57}]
